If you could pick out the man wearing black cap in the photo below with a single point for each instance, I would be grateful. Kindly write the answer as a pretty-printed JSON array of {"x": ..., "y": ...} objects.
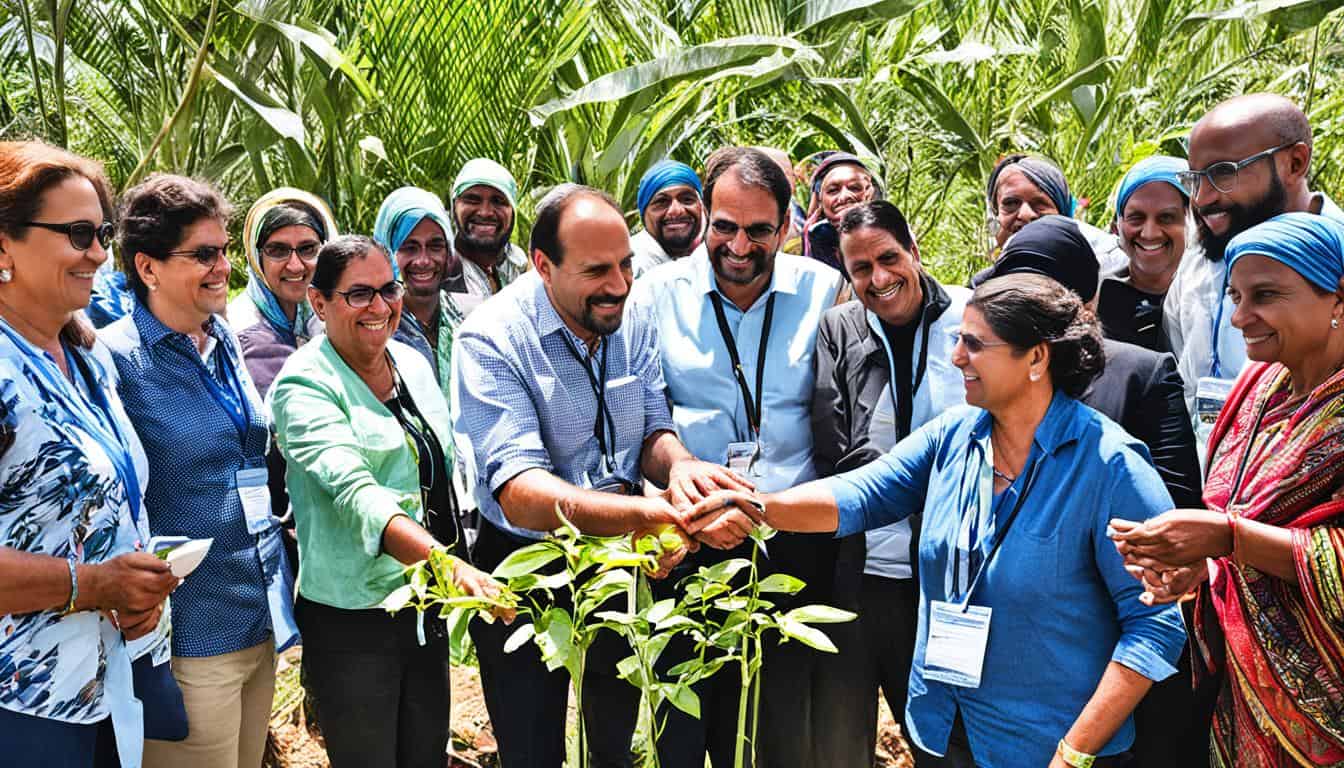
[{"x": 1141, "y": 391}]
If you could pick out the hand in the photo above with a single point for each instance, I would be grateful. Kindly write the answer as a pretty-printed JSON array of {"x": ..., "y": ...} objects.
[
  {"x": 1181, "y": 537},
  {"x": 134, "y": 583},
  {"x": 690, "y": 480},
  {"x": 136, "y": 625},
  {"x": 664, "y": 519},
  {"x": 1161, "y": 587},
  {"x": 477, "y": 583},
  {"x": 728, "y": 529},
  {"x": 708, "y": 510}
]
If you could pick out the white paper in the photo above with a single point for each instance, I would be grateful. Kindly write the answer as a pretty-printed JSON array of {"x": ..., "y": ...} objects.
[{"x": 955, "y": 651}]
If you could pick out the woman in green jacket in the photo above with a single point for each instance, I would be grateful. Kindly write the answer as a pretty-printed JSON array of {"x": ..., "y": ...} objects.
[{"x": 364, "y": 428}]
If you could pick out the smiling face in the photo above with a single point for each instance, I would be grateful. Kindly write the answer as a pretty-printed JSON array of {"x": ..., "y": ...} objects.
[
  {"x": 739, "y": 259},
  {"x": 995, "y": 374},
  {"x": 359, "y": 333},
  {"x": 194, "y": 291},
  {"x": 1019, "y": 203},
  {"x": 675, "y": 218},
  {"x": 484, "y": 219},
  {"x": 842, "y": 188},
  {"x": 288, "y": 279},
  {"x": 1282, "y": 317},
  {"x": 589, "y": 286},
  {"x": 1258, "y": 195},
  {"x": 423, "y": 259},
  {"x": 48, "y": 275},
  {"x": 1152, "y": 232},
  {"x": 884, "y": 274}
]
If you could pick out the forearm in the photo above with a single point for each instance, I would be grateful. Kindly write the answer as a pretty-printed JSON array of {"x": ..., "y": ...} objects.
[
  {"x": 661, "y": 451},
  {"x": 42, "y": 583},
  {"x": 1119, "y": 692},
  {"x": 405, "y": 540},
  {"x": 1267, "y": 548},
  {"x": 807, "y": 508},
  {"x": 530, "y": 499}
]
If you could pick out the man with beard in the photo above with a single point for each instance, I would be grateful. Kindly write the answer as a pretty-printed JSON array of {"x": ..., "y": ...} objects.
[
  {"x": 738, "y": 325},
  {"x": 559, "y": 407},
  {"x": 483, "y": 199},
  {"x": 1250, "y": 158},
  {"x": 672, "y": 213}
]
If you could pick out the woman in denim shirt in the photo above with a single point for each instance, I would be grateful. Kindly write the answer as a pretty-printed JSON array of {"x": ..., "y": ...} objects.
[
  {"x": 75, "y": 588},
  {"x": 1016, "y": 494}
]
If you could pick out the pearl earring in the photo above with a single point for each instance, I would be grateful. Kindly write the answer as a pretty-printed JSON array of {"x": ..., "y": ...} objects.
[
  {"x": 6, "y": 275},
  {"x": 1035, "y": 376},
  {"x": 1334, "y": 322}
]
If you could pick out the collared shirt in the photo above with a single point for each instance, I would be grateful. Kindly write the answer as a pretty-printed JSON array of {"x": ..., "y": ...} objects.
[
  {"x": 707, "y": 403},
  {"x": 649, "y": 252},
  {"x": 474, "y": 280},
  {"x": 61, "y": 496},
  {"x": 1063, "y": 605},
  {"x": 447, "y": 317},
  {"x": 195, "y": 451},
  {"x": 524, "y": 401}
]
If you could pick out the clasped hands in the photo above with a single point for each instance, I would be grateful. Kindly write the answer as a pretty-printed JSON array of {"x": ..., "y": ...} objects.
[
  {"x": 1169, "y": 553},
  {"x": 693, "y": 507}
]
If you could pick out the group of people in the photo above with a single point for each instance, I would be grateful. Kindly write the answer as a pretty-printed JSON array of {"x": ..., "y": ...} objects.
[{"x": 1085, "y": 508}]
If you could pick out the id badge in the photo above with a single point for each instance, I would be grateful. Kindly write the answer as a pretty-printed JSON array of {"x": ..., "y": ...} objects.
[
  {"x": 256, "y": 499},
  {"x": 1210, "y": 395},
  {"x": 955, "y": 651},
  {"x": 742, "y": 458}
]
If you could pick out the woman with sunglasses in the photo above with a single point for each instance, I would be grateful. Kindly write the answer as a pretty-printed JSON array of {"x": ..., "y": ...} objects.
[
  {"x": 1032, "y": 647},
  {"x": 204, "y": 429},
  {"x": 364, "y": 429},
  {"x": 78, "y": 595}
]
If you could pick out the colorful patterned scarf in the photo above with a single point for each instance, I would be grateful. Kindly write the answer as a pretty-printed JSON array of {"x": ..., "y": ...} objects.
[{"x": 1280, "y": 646}]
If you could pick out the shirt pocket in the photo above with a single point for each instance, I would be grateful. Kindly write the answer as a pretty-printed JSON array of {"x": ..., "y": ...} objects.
[{"x": 625, "y": 403}]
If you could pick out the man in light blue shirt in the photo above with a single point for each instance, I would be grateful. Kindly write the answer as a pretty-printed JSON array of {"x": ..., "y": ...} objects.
[
  {"x": 738, "y": 323},
  {"x": 558, "y": 404}
]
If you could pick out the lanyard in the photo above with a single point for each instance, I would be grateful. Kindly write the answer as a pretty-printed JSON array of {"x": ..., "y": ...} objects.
[
  {"x": 233, "y": 398},
  {"x": 753, "y": 407},
  {"x": 1002, "y": 533},
  {"x": 99, "y": 421},
  {"x": 920, "y": 368},
  {"x": 599, "y": 387}
]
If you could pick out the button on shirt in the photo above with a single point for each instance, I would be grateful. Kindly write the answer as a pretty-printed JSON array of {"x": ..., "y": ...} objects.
[
  {"x": 1063, "y": 605},
  {"x": 523, "y": 401},
  {"x": 707, "y": 403},
  {"x": 195, "y": 451}
]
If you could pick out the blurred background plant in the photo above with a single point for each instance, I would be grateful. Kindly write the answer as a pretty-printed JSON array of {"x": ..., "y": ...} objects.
[{"x": 352, "y": 98}]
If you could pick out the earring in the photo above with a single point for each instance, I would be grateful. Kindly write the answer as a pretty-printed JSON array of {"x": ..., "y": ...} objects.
[
  {"x": 1334, "y": 322},
  {"x": 153, "y": 286},
  {"x": 6, "y": 275},
  {"x": 1034, "y": 376}
]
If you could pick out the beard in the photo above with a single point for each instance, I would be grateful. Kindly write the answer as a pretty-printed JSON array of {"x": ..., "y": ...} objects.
[
  {"x": 760, "y": 263},
  {"x": 671, "y": 243},
  {"x": 482, "y": 244},
  {"x": 1242, "y": 217},
  {"x": 601, "y": 327}
]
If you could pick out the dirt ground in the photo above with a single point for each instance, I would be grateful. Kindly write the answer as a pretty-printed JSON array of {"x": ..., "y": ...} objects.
[{"x": 294, "y": 746}]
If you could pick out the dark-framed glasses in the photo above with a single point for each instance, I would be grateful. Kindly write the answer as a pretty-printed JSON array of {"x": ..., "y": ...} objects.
[
  {"x": 204, "y": 255},
  {"x": 1223, "y": 175},
  {"x": 361, "y": 296},
  {"x": 759, "y": 232},
  {"x": 281, "y": 251},
  {"x": 81, "y": 233}
]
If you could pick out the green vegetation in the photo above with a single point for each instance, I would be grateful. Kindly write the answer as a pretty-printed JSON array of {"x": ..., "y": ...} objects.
[{"x": 352, "y": 98}]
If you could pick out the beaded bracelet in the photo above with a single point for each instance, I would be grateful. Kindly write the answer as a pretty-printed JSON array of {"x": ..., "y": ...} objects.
[
  {"x": 74, "y": 587},
  {"x": 1073, "y": 757}
]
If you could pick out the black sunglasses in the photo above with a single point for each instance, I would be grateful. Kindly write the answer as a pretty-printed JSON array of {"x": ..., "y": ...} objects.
[
  {"x": 281, "y": 251},
  {"x": 756, "y": 233},
  {"x": 81, "y": 233},
  {"x": 205, "y": 255},
  {"x": 361, "y": 296}
]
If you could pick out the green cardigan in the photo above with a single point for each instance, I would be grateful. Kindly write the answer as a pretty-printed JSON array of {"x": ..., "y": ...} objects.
[{"x": 350, "y": 469}]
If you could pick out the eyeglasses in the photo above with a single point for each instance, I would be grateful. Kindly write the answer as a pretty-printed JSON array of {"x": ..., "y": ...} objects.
[
  {"x": 205, "y": 255},
  {"x": 280, "y": 251},
  {"x": 756, "y": 233},
  {"x": 974, "y": 344},
  {"x": 361, "y": 296},
  {"x": 81, "y": 233},
  {"x": 411, "y": 249},
  {"x": 1223, "y": 176}
]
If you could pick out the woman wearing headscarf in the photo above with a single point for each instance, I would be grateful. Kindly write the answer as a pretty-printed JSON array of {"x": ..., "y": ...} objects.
[
  {"x": 1267, "y": 555},
  {"x": 840, "y": 182},
  {"x": 79, "y": 596},
  {"x": 281, "y": 235}
]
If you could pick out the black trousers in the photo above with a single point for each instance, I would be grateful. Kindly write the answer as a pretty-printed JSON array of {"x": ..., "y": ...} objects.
[
  {"x": 1172, "y": 723},
  {"x": 382, "y": 699},
  {"x": 528, "y": 703},
  {"x": 38, "y": 741}
]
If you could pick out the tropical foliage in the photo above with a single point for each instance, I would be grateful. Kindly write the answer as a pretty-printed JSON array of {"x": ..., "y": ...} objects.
[{"x": 352, "y": 98}]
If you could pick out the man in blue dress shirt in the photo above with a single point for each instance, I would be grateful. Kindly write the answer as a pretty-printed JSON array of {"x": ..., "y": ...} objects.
[
  {"x": 559, "y": 404},
  {"x": 737, "y": 322}
]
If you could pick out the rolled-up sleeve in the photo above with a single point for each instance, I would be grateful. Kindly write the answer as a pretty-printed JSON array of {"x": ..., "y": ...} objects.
[
  {"x": 496, "y": 412},
  {"x": 889, "y": 489},
  {"x": 315, "y": 434},
  {"x": 1151, "y": 637}
]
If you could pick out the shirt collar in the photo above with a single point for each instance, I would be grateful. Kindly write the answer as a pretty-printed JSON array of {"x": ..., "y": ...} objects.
[
  {"x": 152, "y": 330},
  {"x": 783, "y": 279},
  {"x": 1057, "y": 429},
  {"x": 549, "y": 320}
]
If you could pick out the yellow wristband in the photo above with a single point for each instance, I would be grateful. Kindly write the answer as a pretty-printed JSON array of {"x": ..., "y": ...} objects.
[{"x": 1073, "y": 757}]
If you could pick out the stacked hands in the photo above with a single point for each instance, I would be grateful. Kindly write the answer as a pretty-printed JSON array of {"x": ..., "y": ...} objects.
[
  {"x": 695, "y": 509},
  {"x": 1169, "y": 553}
]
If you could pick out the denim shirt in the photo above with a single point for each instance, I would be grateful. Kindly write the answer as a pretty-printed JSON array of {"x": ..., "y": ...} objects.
[
  {"x": 1063, "y": 605},
  {"x": 195, "y": 451}
]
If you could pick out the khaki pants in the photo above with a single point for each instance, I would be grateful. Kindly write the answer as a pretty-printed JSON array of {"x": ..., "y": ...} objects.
[{"x": 228, "y": 700}]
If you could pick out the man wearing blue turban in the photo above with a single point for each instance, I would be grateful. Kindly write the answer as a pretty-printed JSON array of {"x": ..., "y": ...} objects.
[
  {"x": 672, "y": 213},
  {"x": 1151, "y": 209}
]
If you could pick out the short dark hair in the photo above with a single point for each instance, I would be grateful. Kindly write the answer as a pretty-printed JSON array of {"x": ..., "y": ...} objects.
[
  {"x": 336, "y": 254},
  {"x": 753, "y": 168},
  {"x": 155, "y": 215},
  {"x": 546, "y": 228},
  {"x": 1025, "y": 310},
  {"x": 879, "y": 214}
]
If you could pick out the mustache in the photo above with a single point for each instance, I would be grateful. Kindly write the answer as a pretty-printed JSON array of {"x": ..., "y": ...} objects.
[{"x": 606, "y": 298}]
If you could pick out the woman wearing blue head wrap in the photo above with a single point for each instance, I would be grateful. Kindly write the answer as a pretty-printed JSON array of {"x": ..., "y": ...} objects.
[
  {"x": 672, "y": 213},
  {"x": 1151, "y": 209},
  {"x": 1271, "y": 543}
]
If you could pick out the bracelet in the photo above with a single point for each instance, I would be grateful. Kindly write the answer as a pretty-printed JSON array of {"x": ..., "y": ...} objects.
[
  {"x": 74, "y": 587},
  {"x": 1232, "y": 526},
  {"x": 1073, "y": 757}
]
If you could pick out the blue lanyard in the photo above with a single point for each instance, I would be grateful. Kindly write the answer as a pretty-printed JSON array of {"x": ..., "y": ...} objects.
[
  {"x": 1216, "y": 370},
  {"x": 233, "y": 398},
  {"x": 99, "y": 422}
]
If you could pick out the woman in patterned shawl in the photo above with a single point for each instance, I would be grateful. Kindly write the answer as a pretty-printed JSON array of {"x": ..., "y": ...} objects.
[{"x": 1270, "y": 619}]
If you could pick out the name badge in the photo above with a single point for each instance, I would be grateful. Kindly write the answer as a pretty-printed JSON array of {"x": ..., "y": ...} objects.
[
  {"x": 955, "y": 652},
  {"x": 1210, "y": 394},
  {"x": 742, "y": 458},
  {"x": 256, "y": 499}
]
